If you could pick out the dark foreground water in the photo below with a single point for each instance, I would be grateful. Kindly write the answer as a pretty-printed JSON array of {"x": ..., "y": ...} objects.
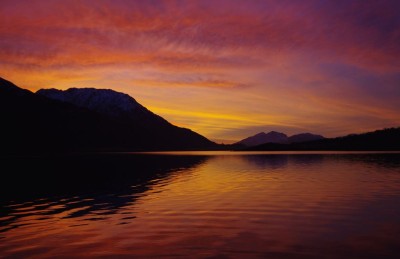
[{"x": 201, "y": 205}]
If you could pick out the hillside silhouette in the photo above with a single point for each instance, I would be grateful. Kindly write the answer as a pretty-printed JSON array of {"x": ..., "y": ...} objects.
[
  {"x": 90, "y": 119},
  {"x": 384, "y": 140},
  {"x": 34, "y": 123},
  {"x": 277, "y": 138}
]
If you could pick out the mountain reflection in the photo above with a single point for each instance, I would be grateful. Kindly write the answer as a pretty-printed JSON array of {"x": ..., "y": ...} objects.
[
  {"x": 280, "y": 161},
  {"x": 218, "y": 204},
  {"x": 97, "y": 186},
  {"x": 267, "y": 161},
  {"x": 80, "y": 185}
]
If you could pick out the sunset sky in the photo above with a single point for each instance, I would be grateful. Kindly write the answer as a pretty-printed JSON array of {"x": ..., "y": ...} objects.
[{"x": 225, "y": 69}]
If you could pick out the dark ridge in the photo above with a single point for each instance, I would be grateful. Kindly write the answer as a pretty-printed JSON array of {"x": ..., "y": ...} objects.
[
  {"x": 277, "y": 138},
  {"x": 33, "y": 123},
  {"x": 380, "y": 140}
]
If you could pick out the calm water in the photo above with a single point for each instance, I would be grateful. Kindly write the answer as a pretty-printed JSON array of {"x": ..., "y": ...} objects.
[{"x": 201, "y": 205}]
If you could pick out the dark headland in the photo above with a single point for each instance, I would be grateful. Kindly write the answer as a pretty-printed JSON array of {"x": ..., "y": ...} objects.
[{"x": 86, "y": 120}]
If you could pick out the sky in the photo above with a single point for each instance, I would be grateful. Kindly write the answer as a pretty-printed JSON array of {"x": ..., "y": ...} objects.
[{"x": 225, "y": 69}]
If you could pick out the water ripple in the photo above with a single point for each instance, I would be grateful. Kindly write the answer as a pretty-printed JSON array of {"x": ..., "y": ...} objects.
[{"x": 219, "y": 206}]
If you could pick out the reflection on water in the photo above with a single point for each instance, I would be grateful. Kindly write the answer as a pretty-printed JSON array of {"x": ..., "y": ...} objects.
[{"x": 218, "y": 205}]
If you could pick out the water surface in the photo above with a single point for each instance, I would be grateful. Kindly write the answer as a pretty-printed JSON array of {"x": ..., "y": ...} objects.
[{"x": 202, "y": 205}]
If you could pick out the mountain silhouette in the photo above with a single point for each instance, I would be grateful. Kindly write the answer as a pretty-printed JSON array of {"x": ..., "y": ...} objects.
[
  {"x": 91, "y": 119},
  {"x": 385, "y": 140},
  {"x": 35, "y": 123},
  {"x": 262, "y": 138},
  {"x": 276, "y": 138}
]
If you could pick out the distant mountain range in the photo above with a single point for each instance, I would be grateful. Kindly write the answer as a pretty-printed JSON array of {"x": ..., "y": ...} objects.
[
  {"x": 277, "y": 138},
  {"x": 85, "y": 120},
  {"x": 88, "y": 119},
  {"x": 386, "y": 139}
]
